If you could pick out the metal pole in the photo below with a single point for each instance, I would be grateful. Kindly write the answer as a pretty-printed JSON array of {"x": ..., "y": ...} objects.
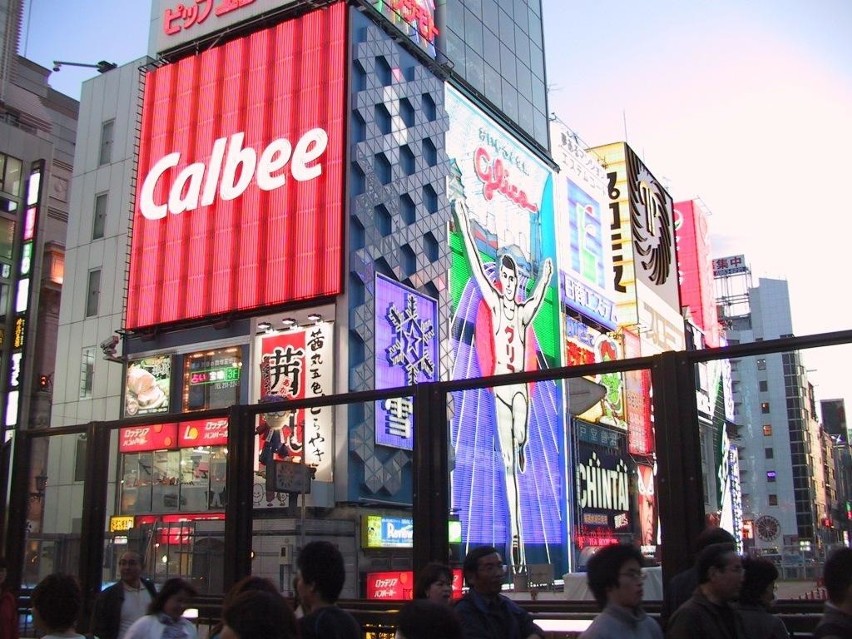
[{"x": 239, "y": 508}]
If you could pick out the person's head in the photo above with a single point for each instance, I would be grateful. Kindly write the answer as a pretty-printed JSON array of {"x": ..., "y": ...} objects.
[
  {"x": 837, "y": 575},
  {"x": 424, "y": 619},
  {"x": 56, "y": 602},
  {"x": 615, "y": 575},
  {"x": 713, "y": 535},
  {"x": 484, "y": 570},
  {"x": 509, "y": 276},
  {"x": 759, "y": 582},
  {"x": 258, "y": 614},
  {"x": 130, "y": 568},
  {"x": 720, "y": 572},
  {"x": 172, "y": 598},
  {"x": 246, "y": 584},
  {"x": 320, "y": 575},
  {"x": 434, "y": 582}
]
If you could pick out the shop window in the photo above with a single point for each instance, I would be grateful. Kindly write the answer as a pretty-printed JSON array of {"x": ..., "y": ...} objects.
[
  {"x": 211, "y": 379},
  {"x": 87, "y": 372}
]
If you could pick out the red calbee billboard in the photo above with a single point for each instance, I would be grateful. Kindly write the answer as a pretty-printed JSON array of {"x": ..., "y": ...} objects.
[{"x": 239, "y": 187}]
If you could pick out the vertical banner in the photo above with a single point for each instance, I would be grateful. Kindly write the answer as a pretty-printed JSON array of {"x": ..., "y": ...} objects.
[
  {"x": 297, "y": 364},
  {"x": 508, "y": 483},
  {"x": 406, "y": 353},
  {"x": 146, "y": 390}
]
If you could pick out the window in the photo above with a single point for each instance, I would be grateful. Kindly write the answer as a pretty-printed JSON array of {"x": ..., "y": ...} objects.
[
  {"x": 94, "y": 293},
  {"x": 764, "y": 407},
  {"x": 761, "y": 364},
  {"x": 773, "y": 500},
  {"x": 87, "y": 372},
  {"x": 80, "y": 459},
  {"x": 764, "y": 386},
  {"x": 769, "y": 452},
  {"x": 100, "y": 216},
  {"x": 106, "y": 142},
  {"x": 767, "y": 430},
  {"x": 770, "y": 475}
]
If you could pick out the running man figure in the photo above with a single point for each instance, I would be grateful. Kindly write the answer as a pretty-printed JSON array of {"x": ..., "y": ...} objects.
[{"x": 510, "y": 319}]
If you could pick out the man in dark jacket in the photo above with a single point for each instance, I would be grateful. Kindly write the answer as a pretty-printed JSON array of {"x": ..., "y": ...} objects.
[
  {"x": 836, "y": 621},
  {"x": 708, "y": 614},
  {"x": 117, "y": 607},
  {"x": 483, "y": 611}
]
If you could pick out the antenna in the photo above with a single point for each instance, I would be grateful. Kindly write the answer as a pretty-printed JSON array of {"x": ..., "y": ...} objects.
[{"x": 103, "y": 66}]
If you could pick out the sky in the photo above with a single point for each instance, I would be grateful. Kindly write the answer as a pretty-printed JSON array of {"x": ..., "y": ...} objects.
[{"x": 745, "y": 105}]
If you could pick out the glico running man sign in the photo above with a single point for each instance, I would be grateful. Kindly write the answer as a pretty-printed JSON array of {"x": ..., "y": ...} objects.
[{"x": 239, "y": 189}]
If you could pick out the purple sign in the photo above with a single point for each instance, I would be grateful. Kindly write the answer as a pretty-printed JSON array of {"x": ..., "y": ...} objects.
[{"x": 406, "y": 354}]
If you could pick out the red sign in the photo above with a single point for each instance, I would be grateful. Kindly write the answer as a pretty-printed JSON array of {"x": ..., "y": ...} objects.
[
  {"x": 239, "y": 190},
  {"x": 203, "y": 432},
  {"x": 175, "y": 530},
  {"x": 137, "y": 439},
  {"x": 400, "y": 585}
]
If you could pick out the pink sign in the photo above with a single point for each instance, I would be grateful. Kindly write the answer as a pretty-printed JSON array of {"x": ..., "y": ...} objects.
[{"x": 137, "y": 439}]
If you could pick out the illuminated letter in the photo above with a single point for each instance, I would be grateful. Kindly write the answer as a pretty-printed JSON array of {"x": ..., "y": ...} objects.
[
  {"x": 190, "y": 179},
  {"x": 147, "y": 206},
  {"x": 210, "y": 183},
  {"x": 238, "y": 158},
  {"x": 309, "y": 147},
  {"x": 273, "y": 158}
]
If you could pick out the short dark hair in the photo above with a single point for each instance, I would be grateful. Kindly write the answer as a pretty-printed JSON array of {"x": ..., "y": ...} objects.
[
  {"x": 170, "y": 589},
  {"x": 258, "y": 614},
  {"x": 712, "y": 556},
  {"x": 713, "y": 535},
  {"x": 246, "y": 584},
  {"x": 508, "y": 261},
  {"x": 431, "y": 573},
  {"x": 759, "y": 573},
  {"x": 471, "y": 560},
  {"x": 837, "y": 574},
  {"x": 58, "y": 600},
  {"x": 321, "y": 565},
  {"x": 603, "y": 568},
  {"x": 424, "y": 619}
]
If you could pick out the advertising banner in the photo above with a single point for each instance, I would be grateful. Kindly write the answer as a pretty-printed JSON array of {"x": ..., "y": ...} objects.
[
  {"x": 507, "y": 484},
  {"x": 203, "y": 432},
  {"x": 387, "y": 532},
  {"x": 239, "y": 187},
  {"x": 146, "y": 389},
  {"x": 414, "y": 18},
  {"x": 211, "y": 379},
  {"x": 139, "y": 439},
  {"x": 400, "y": 585},
  {"x": 406, "y": 353},
  {"x": 637, "y": 391},
  {"x": 177, "y": 22},
  {"x": 647, "y": 507},
  {"x": 731, "y": 265},
  {"x": 297, "y": 364}
]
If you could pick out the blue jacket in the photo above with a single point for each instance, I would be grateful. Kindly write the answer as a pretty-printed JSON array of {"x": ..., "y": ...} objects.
[{"x": 501, "y": 618}]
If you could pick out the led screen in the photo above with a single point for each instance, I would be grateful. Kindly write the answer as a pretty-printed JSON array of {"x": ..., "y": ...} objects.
[
  {"x": 406, "y": 354},
  {"x": 238, "y": 201},
  {"x": 508, "y": 480}
]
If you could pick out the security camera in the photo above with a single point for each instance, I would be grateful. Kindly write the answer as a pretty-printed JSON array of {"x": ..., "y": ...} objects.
[
  {"x": 56, "y": 67},
  {"x": 110, "y": 344}
]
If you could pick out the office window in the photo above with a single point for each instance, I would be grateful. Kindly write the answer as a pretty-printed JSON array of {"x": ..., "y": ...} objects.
[
  {"x": 100, "y": 216},
  {"x": 769, "y": 452},
  {"x": 767, "y": 430},
  {"x": 87, "y": 372},
  {"x": 764, "y": 386},
  {"x": 764, "y": 407},
  {"x": 773, "y": 500},
  {"x": 80, "y": 459},
  {"x": 106, "y": 142},
  {"x": 761, "y": 364},
  {"x": 93, "y": 295},
  {"x": 770, "y": 475}
]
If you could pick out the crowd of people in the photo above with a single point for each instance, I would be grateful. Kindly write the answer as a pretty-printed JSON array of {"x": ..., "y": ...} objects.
[{"x": 723, "y": 595}]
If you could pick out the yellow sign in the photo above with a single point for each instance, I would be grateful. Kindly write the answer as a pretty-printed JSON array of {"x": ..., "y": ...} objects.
[
  {"x": 120, "y": 524},
  {"x": 20, "y": 323}
]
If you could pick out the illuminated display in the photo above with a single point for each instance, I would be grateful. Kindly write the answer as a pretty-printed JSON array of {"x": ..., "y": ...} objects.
[
  {"x": 637, "y": 391},
  {"x": 508, "y": 483},
  {"x": 147, "y": 385},
  {"x": 212, "y": 379},
  {"x": 137, "y": 439},
  {"x": 387, "y": 532},
  {"x": 400, "y": 584},
  {"x": 239, "y": 200},
  {"x": 415, "y": 18},
  {"x": 647, "y": 507},
  {"x": 120, "y": 524},
  {"x": 20, "y": 332},
  {"x": 406, "y": 354},
  {"x": 296, "y": 364},
  {"x": 26, "y": 258},
  {"x": 203, "y": 432}
]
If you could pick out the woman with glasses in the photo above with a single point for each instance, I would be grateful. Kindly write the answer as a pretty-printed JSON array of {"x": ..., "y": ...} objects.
[{"x": 615, "y": 578}]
